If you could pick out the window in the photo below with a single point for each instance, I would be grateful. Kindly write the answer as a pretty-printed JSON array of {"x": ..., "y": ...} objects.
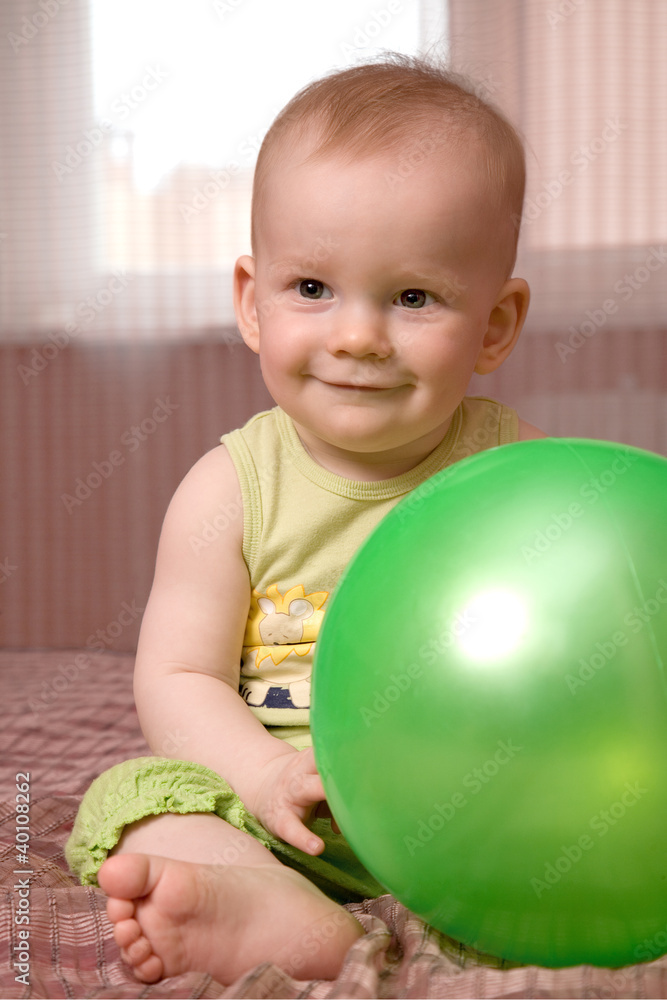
[
  {"x": 134, "y": 127},
  {"x": 185, "y": 109},
  {"x": 130, "y": 128}
]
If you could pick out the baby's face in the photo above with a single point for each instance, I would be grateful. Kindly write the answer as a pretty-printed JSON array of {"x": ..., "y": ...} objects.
[{"x": 373, "y": 294}]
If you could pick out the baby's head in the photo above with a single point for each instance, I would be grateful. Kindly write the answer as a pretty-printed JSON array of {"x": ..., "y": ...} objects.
[
  {"x": 383, "y": 243},
  {"x": 412, "y": 110}
]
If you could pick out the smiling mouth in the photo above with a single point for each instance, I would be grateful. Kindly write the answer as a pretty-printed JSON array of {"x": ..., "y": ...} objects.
[{"x": 361, "y": 388}]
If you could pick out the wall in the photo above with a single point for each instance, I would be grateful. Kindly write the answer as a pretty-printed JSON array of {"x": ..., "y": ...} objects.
[
  {"x": 92, "y": 448},
  {"x": 95, "y": 440}
]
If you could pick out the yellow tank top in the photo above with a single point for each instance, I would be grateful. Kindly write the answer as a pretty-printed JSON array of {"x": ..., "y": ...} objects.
[{"x": 302, "y": 524}]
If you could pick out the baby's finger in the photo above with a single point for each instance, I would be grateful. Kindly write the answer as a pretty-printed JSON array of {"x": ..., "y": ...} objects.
[
  {"x": 306, "y": 761},
  {"x": 302, "y": 790},
  {"x": 291, "y": 829},
  {"x": 312, "y": 789}
]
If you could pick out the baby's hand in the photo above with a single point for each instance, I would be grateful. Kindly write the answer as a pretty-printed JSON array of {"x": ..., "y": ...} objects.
[{"x": 288, "y": 792}]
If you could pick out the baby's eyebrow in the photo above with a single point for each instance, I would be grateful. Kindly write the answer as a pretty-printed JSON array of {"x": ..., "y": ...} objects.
[{"x": 289, "y": 264}]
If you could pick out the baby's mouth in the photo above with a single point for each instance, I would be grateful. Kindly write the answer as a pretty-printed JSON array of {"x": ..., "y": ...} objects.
[
  {"x": 360, "y": 386},
  {"x": 365, "y": 388}
]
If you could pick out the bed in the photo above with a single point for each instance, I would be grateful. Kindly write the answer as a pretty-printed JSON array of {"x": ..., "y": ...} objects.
[{"x": 68, "y": 715}]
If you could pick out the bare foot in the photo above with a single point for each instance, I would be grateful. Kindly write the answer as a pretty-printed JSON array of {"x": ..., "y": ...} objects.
[{"x": 172, "y": 917}]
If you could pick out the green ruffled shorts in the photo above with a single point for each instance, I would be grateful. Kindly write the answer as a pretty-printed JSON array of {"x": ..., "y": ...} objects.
[{"x": 149, "y": 786}]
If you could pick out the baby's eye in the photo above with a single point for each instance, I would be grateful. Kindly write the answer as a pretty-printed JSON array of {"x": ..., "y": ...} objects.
[
  {"x": 414, "y": 298},
  {"x": 311, "y": 289}
]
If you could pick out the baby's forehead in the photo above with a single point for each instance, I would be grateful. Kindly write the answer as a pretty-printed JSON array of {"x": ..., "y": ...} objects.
[
  {"x": 398, "y": 160},
  {"x": 308, "y": 189},
  {"x": 319, "y": 186},
  {"x": 371, "y": 202}
]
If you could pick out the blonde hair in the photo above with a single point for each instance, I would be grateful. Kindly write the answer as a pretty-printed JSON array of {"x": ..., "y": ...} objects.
[{"x": 398, "y": 104}]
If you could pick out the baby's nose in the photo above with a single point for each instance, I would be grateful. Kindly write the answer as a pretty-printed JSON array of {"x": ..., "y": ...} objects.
[{"x": 361, "y": 335}]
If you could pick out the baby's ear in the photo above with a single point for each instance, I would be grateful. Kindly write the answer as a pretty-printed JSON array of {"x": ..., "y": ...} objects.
[
  {"x": 245, "y": 307},
  {"x": 505, "y": 323}
]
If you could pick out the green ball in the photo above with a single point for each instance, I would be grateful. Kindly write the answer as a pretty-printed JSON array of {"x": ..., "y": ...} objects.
[{"x": 490, "y": 702}]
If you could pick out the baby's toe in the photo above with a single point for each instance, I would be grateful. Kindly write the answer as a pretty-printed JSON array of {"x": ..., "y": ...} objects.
[
  {"x": 150, "y": 970},
  {"x": 119, "y": 909},
  {"x": 126, "y": 932},
  {"x": 138, "y": 952}
]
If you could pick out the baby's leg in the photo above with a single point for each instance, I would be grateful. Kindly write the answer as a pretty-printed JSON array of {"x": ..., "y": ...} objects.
[{"x": 193, "y": 893}]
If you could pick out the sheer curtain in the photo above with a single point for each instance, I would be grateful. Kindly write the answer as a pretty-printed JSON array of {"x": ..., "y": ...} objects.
[
  {"x": 128, "y": 130},
  {"x": 586, "y": 83}
]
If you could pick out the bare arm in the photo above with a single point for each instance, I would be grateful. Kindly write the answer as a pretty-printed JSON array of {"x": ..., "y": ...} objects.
[
  {"x": 188, "y": 659},
  {"x": 528, "y": 432}
]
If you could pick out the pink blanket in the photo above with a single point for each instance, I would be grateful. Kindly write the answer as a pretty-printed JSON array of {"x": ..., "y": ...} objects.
[{"x": 68, "y": 715}]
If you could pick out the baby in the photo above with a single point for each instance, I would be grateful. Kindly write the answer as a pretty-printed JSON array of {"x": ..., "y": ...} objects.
[{"x": 383, "y": 240}]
